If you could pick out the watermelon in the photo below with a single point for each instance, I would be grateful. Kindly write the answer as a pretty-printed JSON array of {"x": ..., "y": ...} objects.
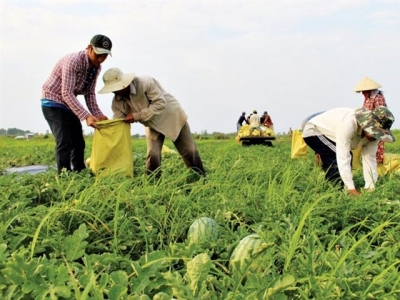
[
  {"x": 246, "y": 252},
  {"x": 202, "y": 230}
]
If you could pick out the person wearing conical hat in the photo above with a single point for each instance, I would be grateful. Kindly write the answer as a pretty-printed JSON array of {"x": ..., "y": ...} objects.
[
  {"x": 334, "y": 133},
  {"x": 373, "y": 97}
]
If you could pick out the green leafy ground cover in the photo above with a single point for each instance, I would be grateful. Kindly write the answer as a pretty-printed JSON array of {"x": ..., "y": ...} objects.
[{"x": 77, "y": 236}]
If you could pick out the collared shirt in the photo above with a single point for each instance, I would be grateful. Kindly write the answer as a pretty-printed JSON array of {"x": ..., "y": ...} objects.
[
  {"x": 71, "y": 77},
  {"x": 340, "y": 125},
  {"x": 152, "y": 106}
]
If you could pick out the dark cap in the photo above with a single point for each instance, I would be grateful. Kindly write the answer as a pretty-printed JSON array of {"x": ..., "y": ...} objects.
[{"x": 101, "y": 44}]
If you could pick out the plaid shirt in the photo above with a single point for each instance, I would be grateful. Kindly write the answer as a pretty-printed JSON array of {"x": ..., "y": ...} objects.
[
  {"x": 72, "y": 77},
  {"x": 374, "y": 101}
]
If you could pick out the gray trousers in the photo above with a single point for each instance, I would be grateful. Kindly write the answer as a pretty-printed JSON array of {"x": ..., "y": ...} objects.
[{"x": 184, "y": 144}]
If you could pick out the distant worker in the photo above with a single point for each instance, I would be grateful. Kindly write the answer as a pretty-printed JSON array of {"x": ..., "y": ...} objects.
[
  {"x": 248, "y": 118},
  {"x": 373, "y": 98},
  {"x": 74, "y": 74},
  {"x": 142, "y": 99},
  {"x": 334, "y": 133},
  {"x": 242, "y": 119},
  {"x": 255, "y": 123},
  {"x": 267, "y": 121},
  {"x": 290, "y": 132}
]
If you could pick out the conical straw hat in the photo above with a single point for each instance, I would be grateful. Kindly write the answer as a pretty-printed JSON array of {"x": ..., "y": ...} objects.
[{"x": 366, "y": 84}]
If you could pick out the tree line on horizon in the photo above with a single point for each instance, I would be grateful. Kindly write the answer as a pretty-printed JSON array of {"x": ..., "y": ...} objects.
[{"x": 13, "y": 131}]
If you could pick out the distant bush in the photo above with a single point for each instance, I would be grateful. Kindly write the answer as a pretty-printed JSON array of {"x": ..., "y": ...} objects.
[
  {"x": 221, "y": 136},
  {"x": 201, "y": 137}
]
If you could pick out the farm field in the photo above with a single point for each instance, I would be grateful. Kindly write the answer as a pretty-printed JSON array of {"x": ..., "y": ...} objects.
[{"x": 77, "y": 236}]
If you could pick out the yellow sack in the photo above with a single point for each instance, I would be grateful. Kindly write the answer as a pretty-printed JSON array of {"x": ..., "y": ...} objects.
[
  {"x": 391, "y": 163},
  {"x": 112, "y": 148},
  {"x": 356, "y": 159},
  {"x": 166, "y": 149},
  {"x": 299, "y": 146}
]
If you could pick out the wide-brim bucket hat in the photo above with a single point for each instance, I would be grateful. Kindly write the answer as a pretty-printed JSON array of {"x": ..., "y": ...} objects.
[
  {"x": 376, "y": 122},
  {"x": 114, "y": 80},
  {"x": 367, "y": 84}
]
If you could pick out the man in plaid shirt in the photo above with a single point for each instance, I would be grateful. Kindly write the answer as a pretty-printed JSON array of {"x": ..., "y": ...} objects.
[{"x": 74, "y": 74}]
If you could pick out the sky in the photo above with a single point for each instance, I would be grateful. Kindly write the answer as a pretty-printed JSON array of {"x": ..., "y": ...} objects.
[{"x": 218, "y": 58}]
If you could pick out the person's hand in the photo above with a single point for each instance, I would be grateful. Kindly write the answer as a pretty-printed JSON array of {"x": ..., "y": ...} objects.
[
  {"x": 354, "y": 192},
  {"x": 129, "y": 118},
  {"x": 91, "y": 121},
  {"x": 102, "y": 118}
]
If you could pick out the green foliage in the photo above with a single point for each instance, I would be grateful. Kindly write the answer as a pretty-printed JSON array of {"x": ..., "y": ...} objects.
[{"x": 76, "y": 236}]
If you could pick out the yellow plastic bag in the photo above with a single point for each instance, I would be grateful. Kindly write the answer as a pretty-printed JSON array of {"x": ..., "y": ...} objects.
[
  {"x": 299, "y": 146},
  {"x": 356, "y": 159},
  {"x": 112, "y": 148},
  {"x": 166, "y": 149},
  {"x": 391, "y": 163}
]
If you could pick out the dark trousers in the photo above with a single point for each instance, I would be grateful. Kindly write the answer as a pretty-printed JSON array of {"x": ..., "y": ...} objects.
[
  {"x": 70, "y": 144},
  {"x": 184, "y": 144},
  {"x": 326, "y": 149}
]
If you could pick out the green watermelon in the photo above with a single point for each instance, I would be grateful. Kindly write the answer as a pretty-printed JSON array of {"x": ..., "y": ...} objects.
[
  {"x": 246, "y": 252},
  {"x": 202, "y": 230}
]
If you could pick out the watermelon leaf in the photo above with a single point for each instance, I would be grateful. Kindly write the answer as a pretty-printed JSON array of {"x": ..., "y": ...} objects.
[{"x": 75, "y": 244}]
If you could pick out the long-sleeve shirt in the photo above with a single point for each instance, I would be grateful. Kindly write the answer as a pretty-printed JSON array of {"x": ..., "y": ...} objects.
[
  {"x": 152, "y": 106},
  {"x": 72, "y": 76},
  {"x": 340, "y": 125},
  {"x": 242, "y": 119},
  {"x": 374, "y": 100}
]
